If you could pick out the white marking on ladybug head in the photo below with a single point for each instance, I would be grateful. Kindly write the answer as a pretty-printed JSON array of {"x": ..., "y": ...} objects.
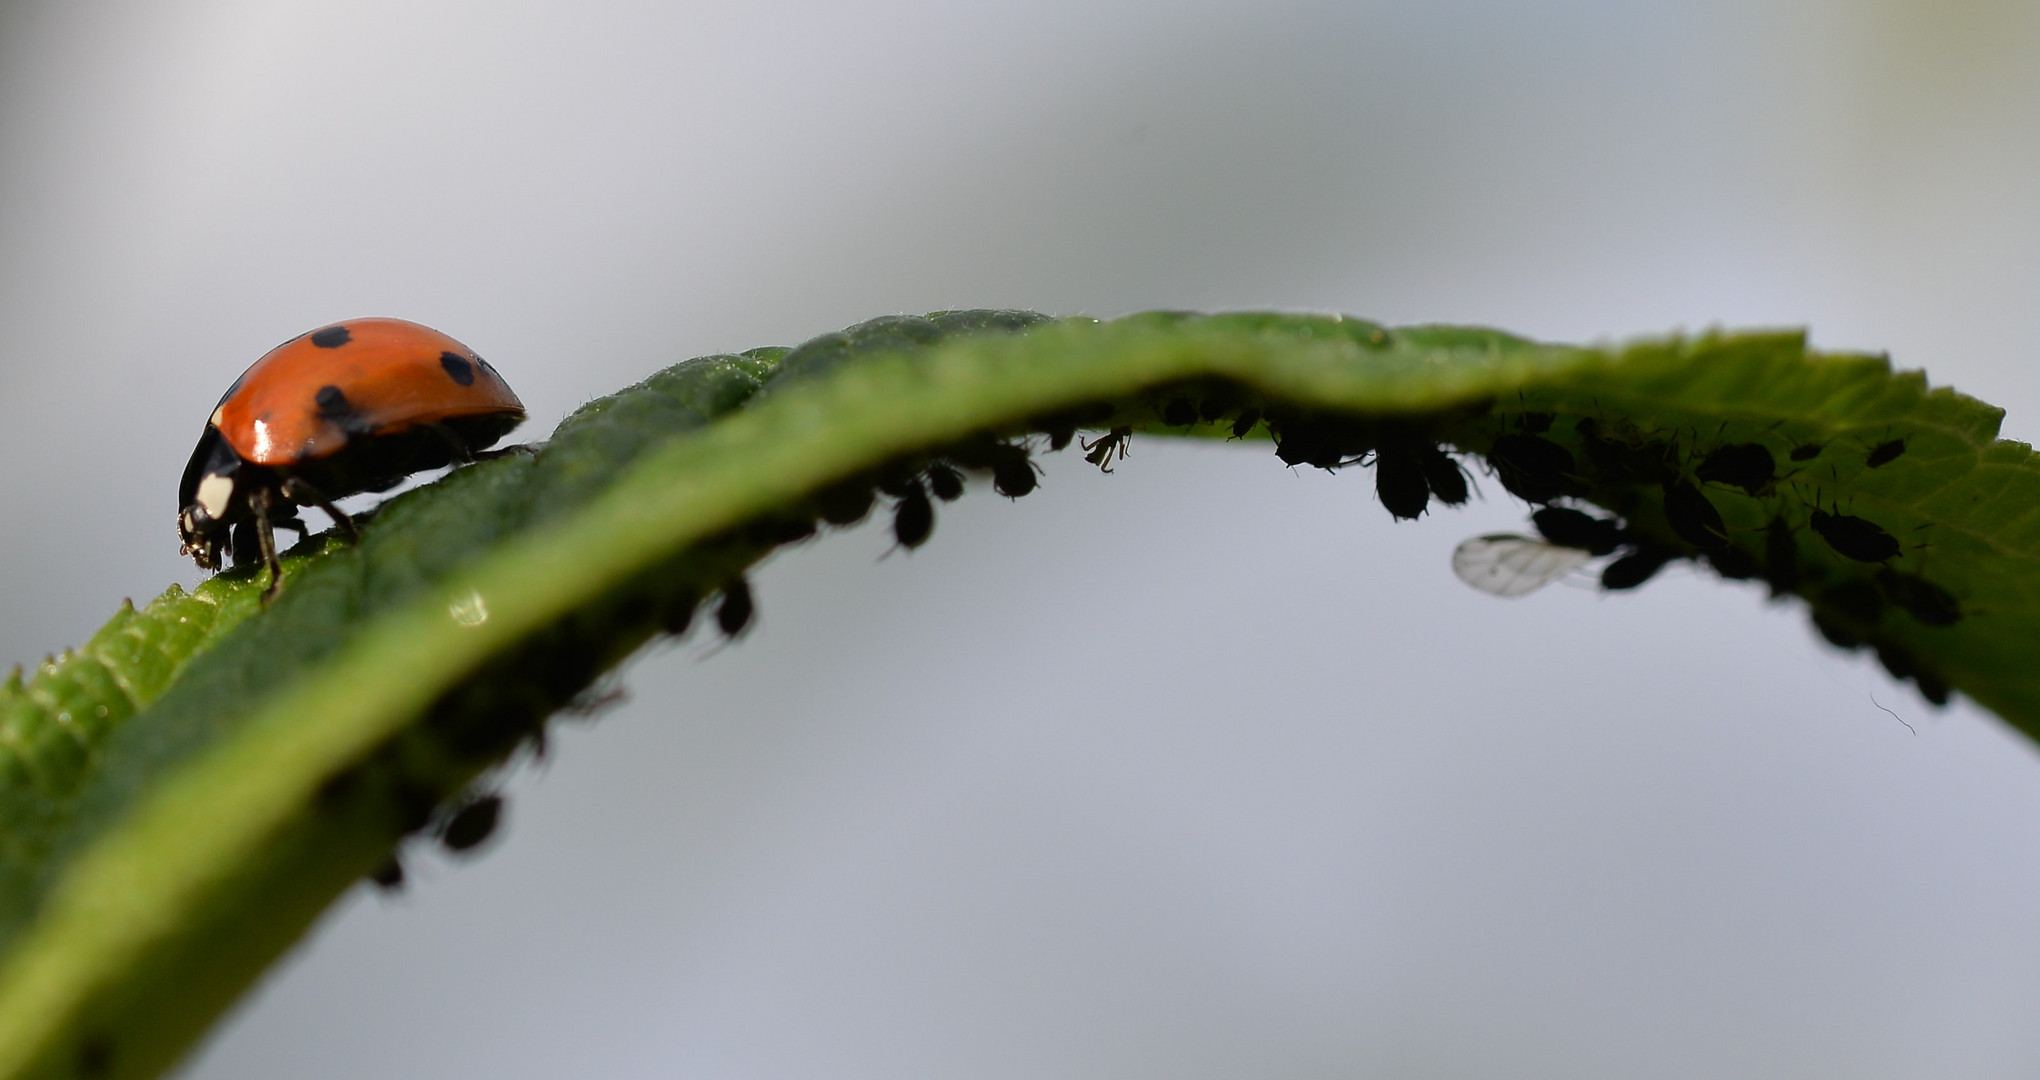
[
  {"x": 214, "y": 419},
  {"x": 214, "y": 492}
]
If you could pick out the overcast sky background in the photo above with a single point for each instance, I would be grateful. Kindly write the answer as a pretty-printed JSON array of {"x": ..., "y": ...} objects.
[{"x": 1202, "y": 769}]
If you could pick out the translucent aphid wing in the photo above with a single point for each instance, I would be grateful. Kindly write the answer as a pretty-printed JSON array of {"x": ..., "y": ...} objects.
[{"x": 1502, "y": 564}]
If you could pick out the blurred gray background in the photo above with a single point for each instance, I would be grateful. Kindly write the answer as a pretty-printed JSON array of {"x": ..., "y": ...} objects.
[{"x": 1203, "y": 769}]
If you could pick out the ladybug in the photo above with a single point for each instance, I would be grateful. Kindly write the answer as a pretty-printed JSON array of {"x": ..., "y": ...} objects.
[{"x": 352, "y": 407}]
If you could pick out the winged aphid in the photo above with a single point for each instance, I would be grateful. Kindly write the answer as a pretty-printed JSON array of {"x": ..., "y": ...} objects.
[{"x": 1507, "y": 565}]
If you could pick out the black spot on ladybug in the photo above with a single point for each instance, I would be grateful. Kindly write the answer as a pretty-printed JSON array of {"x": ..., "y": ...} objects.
[
  {"x": 458, "y": 368},
  {"x": 1885, "y": 453},
  {"x": 332, "y": 404},
  {"x": 1854, "y": 537},
  {"x": 331, "y": 337},
  {"x": 472, "y": 824}
]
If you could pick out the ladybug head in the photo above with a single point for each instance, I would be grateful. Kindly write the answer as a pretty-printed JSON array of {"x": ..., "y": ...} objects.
[{"x": 210, "y": 500}]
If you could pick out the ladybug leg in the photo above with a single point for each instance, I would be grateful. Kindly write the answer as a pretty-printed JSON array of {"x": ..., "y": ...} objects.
[
  {"x": 462, "y": 452},
  {"x": 297, "y": 490},
  {"x": 258, "y": 501}
]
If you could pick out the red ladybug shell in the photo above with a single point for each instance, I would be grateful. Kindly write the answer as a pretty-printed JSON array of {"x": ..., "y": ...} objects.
[{"x": 309, "y": 397}]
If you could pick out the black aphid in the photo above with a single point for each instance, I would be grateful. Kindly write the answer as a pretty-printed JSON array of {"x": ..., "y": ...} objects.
[
  {"x": 1533, "y": 469},
  {"x": 1885, "y": 453},
  {"x": 1216, "y": 405},
  {"x": 1107, "y": 448},
  {"x": 1246, "y": 423},
  {"x": 1536, "y": 423},
  {"x": 1922, "y": 599},
  {"x": 389, "y": 874},
  {"x": 1443, "y": 474},
  {"x": 1734, "y": 563},
  {"x": 472, "y": 824},
  {"x": 1781, "y": 558},
  {"x": 913, "y": 519},
  {"x": 1326, "y": 442},
  {"x": 845, "y": 503},
  {"x": 1179, "y": 412},
  {"x": 945, "y": 482},
  {"x": 1399, "y": 480},
  {"x": 1856, "y": 600},
  {"x": 1896, "y": 661},
  {"x": 1931, "y": 687},
  {"x": 1694, "y": 518},
  {"x": 1013, "y": 472},
  {"x": 733, "y": 615},
  {"x": 1748, "y": 466},
  {"x": 1854, "y": 537},
  {"x": 1634, "y": 569},
  {"x": 1806, "y": 453},
  {"x": 1574, "y": 529},
  {"x": 1841, "y": 637}
]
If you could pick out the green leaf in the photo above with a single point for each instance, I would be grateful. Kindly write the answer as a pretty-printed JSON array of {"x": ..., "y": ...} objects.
[{"x": 181, "y": 797}]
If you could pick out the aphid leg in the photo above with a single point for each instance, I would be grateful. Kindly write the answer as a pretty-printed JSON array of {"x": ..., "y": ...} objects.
[
  {"x": 298, "y": 491},
  {"x": 258, "y": 501}
]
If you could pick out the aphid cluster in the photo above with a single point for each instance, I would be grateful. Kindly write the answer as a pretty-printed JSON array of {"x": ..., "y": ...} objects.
[
  {"x": 1849, "y": 604},
  {"x": 509, "y": 703}
]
